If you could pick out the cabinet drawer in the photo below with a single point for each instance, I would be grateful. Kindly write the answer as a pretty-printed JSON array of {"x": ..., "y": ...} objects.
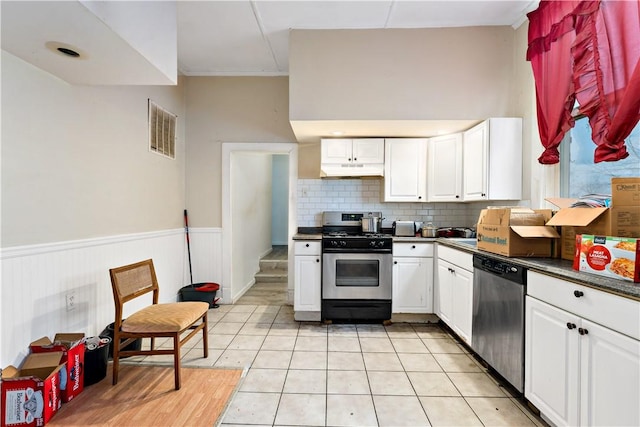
[
  {"x": 460, "y": 258},
  {"x": 413, "y": 249},
  {"x": 307, "y": 248},
  {"x": 615, "y": 312}
]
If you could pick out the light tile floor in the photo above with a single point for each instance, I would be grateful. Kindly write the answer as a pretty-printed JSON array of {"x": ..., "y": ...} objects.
[{"x": 312, "y": 374}]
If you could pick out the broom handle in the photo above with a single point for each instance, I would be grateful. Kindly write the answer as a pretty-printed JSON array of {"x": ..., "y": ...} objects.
[{"x": 186, "y": 229}]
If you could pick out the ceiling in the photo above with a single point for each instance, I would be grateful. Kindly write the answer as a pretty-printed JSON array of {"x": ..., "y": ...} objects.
[{"x": 244, "y": 37}]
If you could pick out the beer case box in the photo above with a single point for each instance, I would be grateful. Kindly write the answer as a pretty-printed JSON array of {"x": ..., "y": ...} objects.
[
  {"x": 515, "y": 232},
  {"x": 609, "y": 256},
  {"x": 72, "y": 346},
  {"x": 31, "y": 394},
  {"x": 625, "y": 191},
  {"x": 618, "y": 220}
]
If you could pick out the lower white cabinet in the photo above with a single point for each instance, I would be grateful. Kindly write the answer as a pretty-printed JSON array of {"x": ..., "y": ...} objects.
[
  {"x": 307, "y": 276},
  {"x": 412, "y": 278},
  {"x": 578, "y": 372},
  {"x": 454, "y": 290}
]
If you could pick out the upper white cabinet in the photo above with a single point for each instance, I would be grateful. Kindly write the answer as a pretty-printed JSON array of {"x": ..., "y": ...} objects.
[
  {"x": 445, "y": 168},
  {"x": 352, "y": 157},
  {"x": 405, "y": 170},
  {"x": 492, "y": 160}
]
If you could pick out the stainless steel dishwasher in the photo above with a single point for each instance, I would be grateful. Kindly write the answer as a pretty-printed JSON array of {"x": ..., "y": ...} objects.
[{"x": 497, "y": 336}]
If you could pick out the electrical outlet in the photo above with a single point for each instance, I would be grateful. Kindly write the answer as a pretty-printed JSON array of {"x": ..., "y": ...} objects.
[{"x": 71, "y": 301}]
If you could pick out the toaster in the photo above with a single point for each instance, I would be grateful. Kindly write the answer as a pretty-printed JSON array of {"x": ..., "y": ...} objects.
[{"x": 404, "y": 228}]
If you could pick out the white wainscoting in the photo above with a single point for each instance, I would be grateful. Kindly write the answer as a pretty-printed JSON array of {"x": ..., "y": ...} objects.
[{"x": 37, "y": 278}]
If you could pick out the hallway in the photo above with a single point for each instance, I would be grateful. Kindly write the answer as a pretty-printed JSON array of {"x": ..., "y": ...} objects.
[{"x": 271, "y": 282}]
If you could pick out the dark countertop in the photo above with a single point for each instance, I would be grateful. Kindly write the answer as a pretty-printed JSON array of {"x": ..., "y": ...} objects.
[{"x": 560, "y": 268}]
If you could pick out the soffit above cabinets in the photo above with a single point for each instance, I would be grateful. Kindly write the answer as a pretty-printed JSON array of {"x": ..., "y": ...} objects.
[
  {"x": 120, "y": 43},
  {"x": 310, "y": 131}
]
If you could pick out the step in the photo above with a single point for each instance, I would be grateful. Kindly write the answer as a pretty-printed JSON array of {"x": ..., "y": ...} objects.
[
  {"x": 280, "y": 276},
  {"x": 273, "y": 264}
]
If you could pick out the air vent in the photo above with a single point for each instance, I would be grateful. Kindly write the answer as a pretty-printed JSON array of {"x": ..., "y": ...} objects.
[{"x": 162, "y": 130}]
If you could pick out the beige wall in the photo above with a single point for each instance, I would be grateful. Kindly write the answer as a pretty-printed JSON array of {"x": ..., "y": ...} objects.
[
  {"x": 404, "y": 74},
  {"x": 228, "y": 109},
  {"x": 76, "y": 162}
]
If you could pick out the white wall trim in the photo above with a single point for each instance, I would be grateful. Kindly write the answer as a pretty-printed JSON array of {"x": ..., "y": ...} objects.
[
  {"x": 288, "y": 148},
  {"x": 28, "y": 250}
]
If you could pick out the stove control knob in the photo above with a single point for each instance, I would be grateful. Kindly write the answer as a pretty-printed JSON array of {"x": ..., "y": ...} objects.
[
  {"x": 343, "y": 243},
  {"x": 334, "y": 243},
  {"x": 380, "y": 244},
  {"x": 372, "y": 244}
]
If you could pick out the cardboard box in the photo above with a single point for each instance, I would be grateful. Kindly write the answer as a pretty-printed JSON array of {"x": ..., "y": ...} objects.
[
  {"x": 625, "y": 191},
  {"x": 615, "y": 257},
  {"x": 516, "y": 232},
  {"x": 621, "y": 221},
  {"x": 31, "y": 394},
  {"x": 72, "y": 346}
]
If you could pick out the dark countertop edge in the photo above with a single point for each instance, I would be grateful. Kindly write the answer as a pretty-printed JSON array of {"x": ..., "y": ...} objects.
[{"x": 561, "y": 269}]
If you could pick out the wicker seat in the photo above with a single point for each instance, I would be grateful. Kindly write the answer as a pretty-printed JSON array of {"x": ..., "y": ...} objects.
[{"x": 170, "y": 320}]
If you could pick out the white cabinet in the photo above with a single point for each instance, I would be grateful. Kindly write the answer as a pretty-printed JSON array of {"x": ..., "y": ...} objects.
[
  {"x": 577, "y": 371},
  {"x": 307, "y": 279},
  {"x": 405, "y": 170},
  {"x": 412, "y": 278},
  {"x": 445, "y": 168},
  {"x": 492, "y": 160},
  {"x": 362, "y": 150},
  {"x": 454, "y": 290}
]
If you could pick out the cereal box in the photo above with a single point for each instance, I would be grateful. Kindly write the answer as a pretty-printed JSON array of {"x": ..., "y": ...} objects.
[{"x": 615, "y": 257}]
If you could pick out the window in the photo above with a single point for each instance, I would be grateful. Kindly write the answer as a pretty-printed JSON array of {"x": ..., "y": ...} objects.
[
  {"x": 580, "y": 175},
  {"x": 162, "y": 130}
]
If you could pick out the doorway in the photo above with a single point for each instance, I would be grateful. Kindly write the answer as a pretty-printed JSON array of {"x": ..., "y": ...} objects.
[{"x": 244, "y": 235}]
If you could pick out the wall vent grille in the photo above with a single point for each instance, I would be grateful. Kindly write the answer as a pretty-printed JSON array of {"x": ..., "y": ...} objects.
[{"x": 162, "y": 130}]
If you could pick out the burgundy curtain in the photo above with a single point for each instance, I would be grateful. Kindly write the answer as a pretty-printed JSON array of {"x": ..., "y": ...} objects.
[{"x": 589, "y": 51}]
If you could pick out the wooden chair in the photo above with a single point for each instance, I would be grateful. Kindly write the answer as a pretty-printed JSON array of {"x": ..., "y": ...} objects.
[{"x": 156, "y": 320}]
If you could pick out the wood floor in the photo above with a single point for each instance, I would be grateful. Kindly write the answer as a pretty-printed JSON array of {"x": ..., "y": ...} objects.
[
  {"x": 145, "y": 396},
  {"x": 272, "y": 291}
]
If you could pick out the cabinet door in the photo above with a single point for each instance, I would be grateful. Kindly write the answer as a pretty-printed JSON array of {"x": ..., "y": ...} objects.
[
  {"x": 368, "y": 150},
  {"x": 336, "y": 151},
  {"x": 412, "y": 285},
  {"x": 405, "y": 170},
  {"x": 462, "y": 303},
  {"x": 610, "y": 377},
  {"x": 308, "y": 270},
  {"x": 552, "y": 361},
  {"x": 475, "y": 152},
  {"x": 445, "y": 168},
  {"x": 444, "y": 292}
]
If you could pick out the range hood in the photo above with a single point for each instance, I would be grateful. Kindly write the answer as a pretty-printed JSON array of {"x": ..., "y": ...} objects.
[{"x": 351, "y": 170}]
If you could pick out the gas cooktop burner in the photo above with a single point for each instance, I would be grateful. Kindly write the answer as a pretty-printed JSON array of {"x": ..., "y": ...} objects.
[{"x": 344, "y": 234}]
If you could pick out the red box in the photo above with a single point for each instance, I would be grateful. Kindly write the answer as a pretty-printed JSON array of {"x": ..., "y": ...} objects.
[
  {"x": 72, "y": 346},
  {"x": 610, "y": 256},
  {"x": 31, "y": 394}
]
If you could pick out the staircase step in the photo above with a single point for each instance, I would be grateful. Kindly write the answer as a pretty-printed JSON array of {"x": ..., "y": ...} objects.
[
  {"x": 273, "y": 264},
  {"x": 281, "y": 276}
]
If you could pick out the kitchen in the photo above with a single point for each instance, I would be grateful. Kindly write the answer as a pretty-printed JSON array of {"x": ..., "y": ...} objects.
[{"x": 254, "y": 110}]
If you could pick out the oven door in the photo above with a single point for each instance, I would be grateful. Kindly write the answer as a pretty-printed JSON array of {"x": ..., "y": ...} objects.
[{"x": 356, "y": 276}]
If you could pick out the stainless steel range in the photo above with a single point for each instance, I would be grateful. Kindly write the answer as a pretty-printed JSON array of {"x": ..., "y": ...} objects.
[{"x": 356, "y": 269}]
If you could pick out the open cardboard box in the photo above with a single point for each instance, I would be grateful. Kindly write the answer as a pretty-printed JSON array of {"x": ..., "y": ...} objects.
[
  {"x": 516, "y": 232},
  {"x": 72, "y": 347},
  {"x": 31, "y": 394},
  {"x": 618, "y": 220}
]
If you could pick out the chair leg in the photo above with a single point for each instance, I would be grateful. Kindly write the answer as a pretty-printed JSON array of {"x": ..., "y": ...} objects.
[
  {"x": 176, "y": 359},
  {"x": 116, "y": 355},
  {"x": 205, "y": 336}
]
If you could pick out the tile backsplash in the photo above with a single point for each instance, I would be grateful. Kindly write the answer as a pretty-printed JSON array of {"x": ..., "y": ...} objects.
[{"x": 318, "y": 195}]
